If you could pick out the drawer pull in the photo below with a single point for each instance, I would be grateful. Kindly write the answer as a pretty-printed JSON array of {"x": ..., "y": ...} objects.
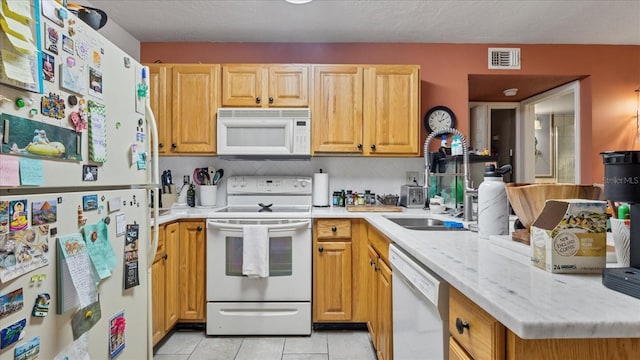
[
  {"x": 334, "y": 229},
  {"x": 371, "y": 262},
  {"x": 320, "y": 249},
  {"x": 461, "y": 325}
]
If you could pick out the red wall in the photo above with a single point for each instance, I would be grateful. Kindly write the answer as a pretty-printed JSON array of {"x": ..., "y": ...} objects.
[{"x": 608, "y": 101}]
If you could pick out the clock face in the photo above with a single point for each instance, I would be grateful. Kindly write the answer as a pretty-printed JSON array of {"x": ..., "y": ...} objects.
[{"x": 438, "y": 118}]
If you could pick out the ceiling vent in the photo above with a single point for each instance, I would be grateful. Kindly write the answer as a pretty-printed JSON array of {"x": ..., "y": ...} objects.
[{"x": 504, "y": 58}]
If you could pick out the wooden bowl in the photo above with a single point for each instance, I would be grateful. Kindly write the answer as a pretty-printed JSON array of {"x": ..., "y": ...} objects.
[{"x": 527, "y": 200}]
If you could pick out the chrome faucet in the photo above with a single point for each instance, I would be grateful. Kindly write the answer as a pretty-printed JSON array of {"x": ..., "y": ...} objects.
[{"x": 469, "y": 191}]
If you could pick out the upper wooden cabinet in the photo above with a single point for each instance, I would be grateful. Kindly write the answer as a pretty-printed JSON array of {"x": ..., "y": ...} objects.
[
  {"x": 185, "y": 99},
  {"x": 262, "y": 85},
  {"x": 336, "y": 110},
  {"x": 391, "y": 110},
  {"x": 159, "y": 94},
  {"x": 368, "y": 110}
]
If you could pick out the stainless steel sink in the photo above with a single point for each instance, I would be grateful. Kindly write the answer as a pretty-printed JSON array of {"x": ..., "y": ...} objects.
[{"x": 424, "y": 224}]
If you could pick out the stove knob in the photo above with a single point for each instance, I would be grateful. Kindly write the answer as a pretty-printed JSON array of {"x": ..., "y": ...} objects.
[{"x": 303, "y": 184}]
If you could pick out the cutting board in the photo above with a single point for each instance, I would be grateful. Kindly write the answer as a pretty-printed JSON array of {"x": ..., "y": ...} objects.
[{"x": 373, "y": 208}]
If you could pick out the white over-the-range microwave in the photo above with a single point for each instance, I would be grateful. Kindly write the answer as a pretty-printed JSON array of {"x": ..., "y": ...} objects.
[{"x": 267, "y": 133}]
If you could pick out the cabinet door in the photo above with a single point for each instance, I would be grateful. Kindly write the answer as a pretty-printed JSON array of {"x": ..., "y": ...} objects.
[
  {"x": 160, "y": 101},
  {"x": 332, "y": 281},
  {"x": 172, "y": 292},
  {"x": 337, "y": 109},
  {"x": 392, "y": 110},
  {"x": 195, "y": 102},
  {"x": 288, "y": 86},
  {"x": 242, "y": 85},
  {"x": 456, "y": 352},
  {"x": 384, "y": 307},
  {"x": 157, "y": 300},
  {"x": 192, "y": 271},
  {"x": 372, "y": 292},
  {"x": 158, "y": 289}
]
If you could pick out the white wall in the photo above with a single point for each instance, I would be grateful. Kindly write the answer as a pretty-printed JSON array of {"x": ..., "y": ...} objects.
[
  {"x": 380, "y": 175},
  {"x": 120, "y": 37}
]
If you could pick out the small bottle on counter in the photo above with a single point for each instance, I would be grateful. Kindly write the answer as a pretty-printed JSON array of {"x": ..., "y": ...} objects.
[
  {"x": 349, "y": 199},
  {"x": 367, "y": 197},
  {"x": 335, "y": 199},
  {"x": 361, "y": 199},
  {"x": 372, "y": 200},
  {"x": 191, "y": 196},
  {"x": 342, "y": 199}
]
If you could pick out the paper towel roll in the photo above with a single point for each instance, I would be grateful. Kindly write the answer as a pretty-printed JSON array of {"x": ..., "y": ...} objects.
[{"x": 320, "y": 189}]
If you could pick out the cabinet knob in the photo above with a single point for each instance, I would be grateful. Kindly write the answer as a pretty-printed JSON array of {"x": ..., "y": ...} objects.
[
  {"x": 371, "y": 262},
  {"x": 359, "y": 146},
  {"x": 199, "y": 228},
  {"x": 258, "y": 100},
  {"x": 334, "y": 229},
  {"x": 165, "y": 256},
  {"x": 320, "y": 249},
  {"x": 461, "y": 325},
  {"x": 376, "y": 268},
  {"x": 160, "y": 145},
  {"x": 270, "y": 100},
  {"x": 373, "y": 146},
  {"x": 173, "y": 146}
]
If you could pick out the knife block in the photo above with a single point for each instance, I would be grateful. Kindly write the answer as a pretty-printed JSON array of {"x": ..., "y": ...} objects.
[{"x": 168, "y": 199}]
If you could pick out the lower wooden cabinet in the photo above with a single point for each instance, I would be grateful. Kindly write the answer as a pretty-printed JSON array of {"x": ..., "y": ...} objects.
[
  {"x": 332, "y": 271},
  {"x": 477, "y": 335},
  {"x": 352, "y": 279},
  {"x": 164, "y": 282},
  {"x": 379, "y": 280},
  {"x": 192, "y": 271},
  {"x": 332, "y": 281},
  {"x": 384, "y": 316}
]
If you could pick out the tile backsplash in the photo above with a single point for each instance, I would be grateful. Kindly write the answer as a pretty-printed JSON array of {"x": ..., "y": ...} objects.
[{"x": 380, "y": 175}]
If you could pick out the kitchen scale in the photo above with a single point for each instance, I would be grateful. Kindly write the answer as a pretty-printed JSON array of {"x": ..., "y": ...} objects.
[{"x": 622, "y": 184}]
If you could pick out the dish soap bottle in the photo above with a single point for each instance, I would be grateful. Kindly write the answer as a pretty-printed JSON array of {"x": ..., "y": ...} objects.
[
  {"x": 191, "y": 196},
  {"x": 493, "y": 203}
]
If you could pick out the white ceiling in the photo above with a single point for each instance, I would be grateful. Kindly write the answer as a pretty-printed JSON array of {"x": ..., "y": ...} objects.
[{"x": 422, "y": 21}]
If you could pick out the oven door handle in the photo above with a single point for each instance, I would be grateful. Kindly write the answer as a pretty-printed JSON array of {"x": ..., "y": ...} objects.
[{"x": 238, "y": 227}]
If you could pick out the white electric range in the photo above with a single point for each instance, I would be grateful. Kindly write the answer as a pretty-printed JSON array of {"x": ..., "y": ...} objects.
[{"x": 279, "y": 304}]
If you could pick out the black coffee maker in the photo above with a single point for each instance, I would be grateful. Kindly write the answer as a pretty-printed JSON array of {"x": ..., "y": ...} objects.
[{"x": 622, "y": 184}]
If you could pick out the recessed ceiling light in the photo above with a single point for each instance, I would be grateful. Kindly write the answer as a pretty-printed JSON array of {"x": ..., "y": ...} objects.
[{"x": 298, "y": 2}]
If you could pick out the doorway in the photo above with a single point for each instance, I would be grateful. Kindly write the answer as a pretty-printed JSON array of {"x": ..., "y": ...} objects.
[
  {"x": 494, "y": 129},
  {"x": 550, "y": 141}
]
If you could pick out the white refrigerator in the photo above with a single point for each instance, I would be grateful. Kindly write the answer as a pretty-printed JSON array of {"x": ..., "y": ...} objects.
[{"x": 76, "y": 178}]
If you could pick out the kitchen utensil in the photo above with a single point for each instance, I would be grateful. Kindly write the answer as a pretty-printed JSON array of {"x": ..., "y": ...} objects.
[
  {"x": 163, "y": 181},
  {"x": 527, "y": 200},
  {"x": 218, "y": 176},
  {"x": 388, "y": 199},
  {"x": 169, "y": 180}
]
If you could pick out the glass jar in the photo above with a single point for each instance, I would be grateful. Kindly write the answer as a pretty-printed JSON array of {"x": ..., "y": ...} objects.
[
  {"x": 361, "y": 198},
  {"x": 349, "y": 199}
]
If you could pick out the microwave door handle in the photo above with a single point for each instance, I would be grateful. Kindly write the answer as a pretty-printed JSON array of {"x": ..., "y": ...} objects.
[{"x": 279, "y": 227}]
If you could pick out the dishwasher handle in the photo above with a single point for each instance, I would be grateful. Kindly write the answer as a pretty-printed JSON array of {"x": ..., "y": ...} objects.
[{"x": 277, "y": 227}]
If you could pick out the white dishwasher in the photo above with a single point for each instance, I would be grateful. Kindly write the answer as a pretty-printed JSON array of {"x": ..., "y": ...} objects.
[{"x": 420, "y": 310}]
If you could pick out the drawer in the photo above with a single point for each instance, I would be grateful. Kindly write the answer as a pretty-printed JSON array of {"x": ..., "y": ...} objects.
[
  {"x": 333, "y": 229},
  {"x": 482, "y": 336}
]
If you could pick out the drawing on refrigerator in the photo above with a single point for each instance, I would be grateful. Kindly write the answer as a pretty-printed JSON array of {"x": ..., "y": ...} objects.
[{"x": 76, "y": 173}]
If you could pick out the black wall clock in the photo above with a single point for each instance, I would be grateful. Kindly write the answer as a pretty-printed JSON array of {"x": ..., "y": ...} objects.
[{"x": 438, "y": 118}]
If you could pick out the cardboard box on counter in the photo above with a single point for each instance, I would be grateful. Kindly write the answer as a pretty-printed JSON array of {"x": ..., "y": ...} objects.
[{"x": 569, "y": 236}]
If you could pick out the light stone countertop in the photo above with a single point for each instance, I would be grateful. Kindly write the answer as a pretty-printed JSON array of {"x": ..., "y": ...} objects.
[{"x": 496, "y": 274}]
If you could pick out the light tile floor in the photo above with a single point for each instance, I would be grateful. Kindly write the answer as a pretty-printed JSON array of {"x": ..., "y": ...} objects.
[{"x": 321, "y": 345}]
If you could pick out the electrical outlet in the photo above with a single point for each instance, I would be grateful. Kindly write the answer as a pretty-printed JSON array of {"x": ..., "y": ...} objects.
[{"x": 413, "y": 177}]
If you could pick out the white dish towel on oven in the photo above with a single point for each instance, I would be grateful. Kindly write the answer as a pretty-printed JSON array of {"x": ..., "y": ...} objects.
[{"x": 255, "y": 251}]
